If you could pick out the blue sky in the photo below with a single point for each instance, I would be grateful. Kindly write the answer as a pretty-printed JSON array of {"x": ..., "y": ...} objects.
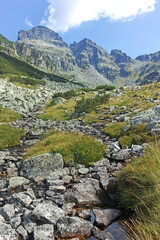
[{"x": 132, "y": 26}]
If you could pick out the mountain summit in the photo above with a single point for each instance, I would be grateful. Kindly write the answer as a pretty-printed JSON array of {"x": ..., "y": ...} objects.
[{"x": 84, "y": 62}]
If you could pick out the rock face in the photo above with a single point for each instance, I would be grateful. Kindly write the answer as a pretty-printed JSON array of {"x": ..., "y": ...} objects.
[
  {"x": 43, "y": 34},
  {"x": 150, "y": 117},
  {"x": 84, "y": 62},
  {"x": 41, "y": 166}
]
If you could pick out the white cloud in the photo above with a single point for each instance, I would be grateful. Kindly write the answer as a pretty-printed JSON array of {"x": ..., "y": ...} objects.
[
  {"x": 28, "y": 22},
  {"x": 66, "y": 14}
]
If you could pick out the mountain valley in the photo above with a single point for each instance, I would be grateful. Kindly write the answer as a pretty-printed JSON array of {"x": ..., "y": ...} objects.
[{"x": 79, "y": 140}]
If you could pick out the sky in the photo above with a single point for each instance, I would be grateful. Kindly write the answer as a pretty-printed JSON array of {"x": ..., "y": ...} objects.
[{"x": 132, "y": 26}]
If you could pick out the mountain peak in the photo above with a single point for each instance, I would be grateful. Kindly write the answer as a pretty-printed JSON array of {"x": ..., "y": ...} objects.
[
  {"x": 39, "y": 33},
  {"x": 120, "y": 57}
]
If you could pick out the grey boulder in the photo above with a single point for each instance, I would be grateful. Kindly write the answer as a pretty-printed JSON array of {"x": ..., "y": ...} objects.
[
  {"x": 72, "y": 227},
  {"x": 38, "y": 167}
]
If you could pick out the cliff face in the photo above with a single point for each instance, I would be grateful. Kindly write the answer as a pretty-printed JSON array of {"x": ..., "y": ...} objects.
[{"x": 83, "y": 62}]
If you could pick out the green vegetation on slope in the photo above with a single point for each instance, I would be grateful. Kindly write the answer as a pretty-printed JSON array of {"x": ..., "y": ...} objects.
[
  {"x": 139, "y": 190},
  {"x": 9, "y": 136},
  {"x": 7, "y": 115},
  {"x": 5, "y": 41},
  {"x": 74, "y": 147},
  {"x": 11, "y": 65}
]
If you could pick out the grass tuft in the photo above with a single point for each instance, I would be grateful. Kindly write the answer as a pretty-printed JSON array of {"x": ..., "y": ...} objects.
[
  {"x": 9, "y": 136},
  {"x": 139, "y": 190},
  {"x": 74, "y": 147}
]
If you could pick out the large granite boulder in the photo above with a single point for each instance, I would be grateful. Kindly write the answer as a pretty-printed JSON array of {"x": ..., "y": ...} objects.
[
  {"x": 72, "y": 227},
  {"x": 150, "y": 117},
  {"x": 47, "y": 213},
  {"x": 85, "y": 192},
  {"x": 38, "y": 167}
]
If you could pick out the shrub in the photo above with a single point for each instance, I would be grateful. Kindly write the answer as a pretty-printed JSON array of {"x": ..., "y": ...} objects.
[
  {"x": 139, "y": 191},
  {"x": 105, "y": 87},
  {"x": 66, "y": 95},
  {"x": 89, "y": 105},
  {"x": 52, "y": 103},
  {"x": 27, "y": 80}
]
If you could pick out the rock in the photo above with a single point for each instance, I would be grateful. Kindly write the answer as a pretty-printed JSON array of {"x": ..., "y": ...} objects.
[
  {"x": 121, "y": 155},
  {"x": 105, "y": 216},
  {"x": 15, "y": 222},
  {"x": 85, "y": 214},
  {"x": 97, "y": 233},
  {"x": 68, "y": 208},
  {"x": 71, "y": 227},
  {"x": 83, "y": 171},
  {"x": 22, "y": 232},
  {"x": 22, "y": 198},
  {"x": 150, "y": 117},
  {"x": 84, "y": 193},
  {"x": 41, "y": 166},
  {"x": 7, "y": 231},
  {"x": 17, "y": 181},
  {"x": 47, "y": 213},
  {"x": 115, "y": 232},
  {"x": 29, "y": 225},
  {"x": 136, "y": 148},
  {"x": 44, "y": 232},
  {"x": 7, "y": 211}
]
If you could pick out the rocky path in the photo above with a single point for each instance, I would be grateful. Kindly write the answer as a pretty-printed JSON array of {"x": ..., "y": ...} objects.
[{"x": 42, "y": 199}]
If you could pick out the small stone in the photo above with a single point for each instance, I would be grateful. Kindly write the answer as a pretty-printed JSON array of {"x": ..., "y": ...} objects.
[
  {"x": 83, "y": 171},
  {"x": 22, "y": 198},
  {"x": 22, "y": 232},
  {"x": 105, "y": 216},
  {"x": 7, "y": 211},
  {"x": 17, "y": 181},
  {"x": 15, "y": 222},
  {"x": 44, "y": 232}
]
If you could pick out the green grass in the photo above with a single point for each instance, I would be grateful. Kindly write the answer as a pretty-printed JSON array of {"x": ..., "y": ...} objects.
[
  {"x": 90, "y": 104},
  {"x": 74, "y": 147},
  {"x": 6, "y": 41},
  {"x": 66, "y": 95},
  {"x": 7, "y": 115},
  {"x": 13, "y": 66},
  {"x": 9, "y": 136},
  {"x": 115, "y": 130},
  {"x": 139, "y": 192}
]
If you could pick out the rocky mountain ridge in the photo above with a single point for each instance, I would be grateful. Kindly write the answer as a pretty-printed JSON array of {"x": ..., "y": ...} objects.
[{"x": 83, "y": 62}]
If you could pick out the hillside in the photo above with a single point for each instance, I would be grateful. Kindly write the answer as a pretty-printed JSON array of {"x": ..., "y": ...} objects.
[{"x": 79, "y": 157}]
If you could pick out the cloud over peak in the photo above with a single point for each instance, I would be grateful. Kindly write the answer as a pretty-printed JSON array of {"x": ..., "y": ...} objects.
[{"x": 62, "y": 15}]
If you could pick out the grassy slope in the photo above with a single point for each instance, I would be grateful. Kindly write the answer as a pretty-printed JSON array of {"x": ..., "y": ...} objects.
[
  {"x": 9, "y": 135},
  {"x": 13, "y": 66},
  {"x": 7, "y": 115},
  {"x": 139, "y": 189},
  {"x": 73, "y": 146}
]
